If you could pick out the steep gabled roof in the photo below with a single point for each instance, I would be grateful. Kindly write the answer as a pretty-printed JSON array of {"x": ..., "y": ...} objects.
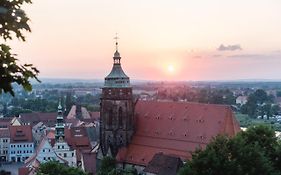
[
  {"x": 5, "y": 122},
  {"x": 162, "y": 164},
  {"x": 88, "y": 159},
  {"x": 175, "y": 128},
  {"x": 49, "y": 119},
  {"x": 4, "y": 133},
  {"x": 21, "y": 133}
]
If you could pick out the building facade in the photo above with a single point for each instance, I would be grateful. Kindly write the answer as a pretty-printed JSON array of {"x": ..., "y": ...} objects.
[
  {"x": 21, "y": 143},
  {"x": 4, "y": 144},
  {"x": 117, "y": 109},
  {"x": 133, "y": 132},
  {"x": 61, "y": 148}
]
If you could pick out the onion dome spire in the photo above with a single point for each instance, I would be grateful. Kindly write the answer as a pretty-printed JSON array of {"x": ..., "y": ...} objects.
[{"x": 117, "y": 77}]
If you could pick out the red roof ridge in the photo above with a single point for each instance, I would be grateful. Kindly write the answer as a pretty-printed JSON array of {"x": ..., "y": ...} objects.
[{"x": 184, "y": 102}]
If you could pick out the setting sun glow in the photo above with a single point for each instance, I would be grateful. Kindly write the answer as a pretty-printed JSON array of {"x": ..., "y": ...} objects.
[{"x": 171, "y": 68}]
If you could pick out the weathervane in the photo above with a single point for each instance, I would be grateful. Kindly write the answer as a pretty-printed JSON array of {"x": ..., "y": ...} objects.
[{"x": 116, "y": 39}]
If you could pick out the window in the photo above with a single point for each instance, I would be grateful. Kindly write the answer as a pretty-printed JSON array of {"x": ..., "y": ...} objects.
[
  {"x": 120, "y": 117},
  {"x": 64, "y": 154},
  {"x": 62, "y": 146},
  {"x": 58, "y": 147},
  {"x": 110, "y": 116}
]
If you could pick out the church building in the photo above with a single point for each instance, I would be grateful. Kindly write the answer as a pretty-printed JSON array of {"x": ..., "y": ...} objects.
[{"x": 133, "y": 131}]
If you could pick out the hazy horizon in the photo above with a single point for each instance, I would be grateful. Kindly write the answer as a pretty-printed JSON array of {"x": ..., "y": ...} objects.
[{"x": 159, "y": 40}]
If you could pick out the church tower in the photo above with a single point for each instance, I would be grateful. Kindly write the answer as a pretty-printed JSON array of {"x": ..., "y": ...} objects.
[
  {"x": 60, "y": 125},
  {"x": 117, "y": 119}
]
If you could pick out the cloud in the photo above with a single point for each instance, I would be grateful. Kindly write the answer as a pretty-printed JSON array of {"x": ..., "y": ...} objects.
[
  {"x": 247, "y": 56},
  {"x": 229, "y": 47},
  {"x": 256, "y": 56},
  {"x": 217, "y": 55}
]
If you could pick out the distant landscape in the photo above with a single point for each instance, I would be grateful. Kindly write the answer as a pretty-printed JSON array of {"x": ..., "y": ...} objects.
[{"x": 45, "y": 97}]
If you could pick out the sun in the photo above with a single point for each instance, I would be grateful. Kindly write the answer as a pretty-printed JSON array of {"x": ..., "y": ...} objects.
[{"x": 171, "y": 68}]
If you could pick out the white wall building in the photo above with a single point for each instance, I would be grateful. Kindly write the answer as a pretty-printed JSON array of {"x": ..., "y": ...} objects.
[
  {"x": 63, "y": 150},
  {"x": 44, "y": 153},
  {"x": 21, "y": 143},
  {"x": 241, "y": 100},
  {"x": 4, "y": 144}
]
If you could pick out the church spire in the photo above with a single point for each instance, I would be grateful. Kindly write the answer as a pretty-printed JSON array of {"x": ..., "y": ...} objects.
[
  {"x": 117, "y": 78},
  {"x": 116, "y": 41},
  {"x": 116, "y": 57},
  {"x": 60, "y": 124}
]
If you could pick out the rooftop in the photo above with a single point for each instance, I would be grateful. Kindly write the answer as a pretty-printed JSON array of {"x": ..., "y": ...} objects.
[
  {"x": 176, "y": 128},
  {"x": 20, "y": 134}
]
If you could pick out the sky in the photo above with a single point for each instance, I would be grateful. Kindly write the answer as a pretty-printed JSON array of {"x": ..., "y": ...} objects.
[{"x": 159, "y": 39}]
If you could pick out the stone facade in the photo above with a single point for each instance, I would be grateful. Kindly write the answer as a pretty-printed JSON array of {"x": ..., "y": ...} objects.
[{"x": 117, "y": 109}]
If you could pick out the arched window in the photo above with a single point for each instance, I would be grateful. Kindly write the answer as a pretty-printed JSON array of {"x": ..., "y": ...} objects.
[
  {"x": 120, "y": 118},
  {"x": 110, "y": 115}
]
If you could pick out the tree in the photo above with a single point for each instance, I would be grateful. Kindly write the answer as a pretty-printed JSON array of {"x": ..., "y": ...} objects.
[
  {"x": 5, "y": 110},
  {"x": 13, "y": 21},
  {"x": 55, "y": 168},
  {"x": 108, "y": 167},
  {"x": 278, "y": 93},
  {"x": 259, "y": 103},
  {"x": 255, "y": 151},
  {"x": 68, "y": 102},
  {"x": 275, "y": 109}
]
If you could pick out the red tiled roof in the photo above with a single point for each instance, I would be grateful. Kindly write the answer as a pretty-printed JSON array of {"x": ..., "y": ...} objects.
[
  {"x": 162, "y": 164},
  {"x": 4, "y": 133},
  {"x": 21, "y": 133},
  {"x": 72, "y": 113},
  {"x": 95, "y": 115},
  {"x": 175, "y": 128},
  {"x": 49, "y": 119},
  {"x": 23, "y": 171},
  {"x": 5, "y": 122},
  {"x": 73, "y": 121},
  {"x": 89, "y": 162},
  {"x": 77, "y": 138}
]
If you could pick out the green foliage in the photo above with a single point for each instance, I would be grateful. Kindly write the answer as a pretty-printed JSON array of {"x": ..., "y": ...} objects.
[
  {"x": 201, "y": 95},
  {"x": 68, "y": 102},
  {"x": 3, "y": 172},
  {"x": 259, "y": 103},
  {"x": 55, "y": 168},
  {"x": 13, "y": 20},
  {"x": 278, "y": 93},
  {"x": 255, "y": 151},
  {"x": 246, "y": 121},
  {"x": 108, "y": 167}
]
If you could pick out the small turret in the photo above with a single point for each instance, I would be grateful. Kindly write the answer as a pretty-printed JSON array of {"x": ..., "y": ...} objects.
[{"x": 60, "y": 124}]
